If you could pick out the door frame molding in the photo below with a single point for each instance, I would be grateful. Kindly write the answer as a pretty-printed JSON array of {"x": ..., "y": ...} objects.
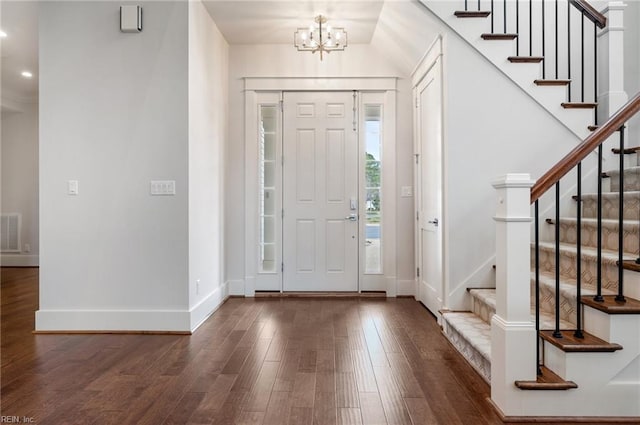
[
  {"x": 256, "y": 88},
  {"x": 430, "y": 59}
]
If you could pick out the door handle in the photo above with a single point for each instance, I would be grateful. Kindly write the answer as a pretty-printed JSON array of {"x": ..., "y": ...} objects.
[
  {"x": 434, "y": 222},
  {"x": 352, "y": 217}
]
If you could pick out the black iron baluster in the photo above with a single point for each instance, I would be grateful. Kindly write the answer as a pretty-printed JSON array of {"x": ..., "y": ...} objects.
[
  {"x": 478, "y": 5},
  {"x": 544, "y": 63},
  {"x": 582, "y": 60},
  {"x": 620, "y": 296},
  {"x": 598, "y": 296},
  {"x": 537, "y": 267},
  {"x": 530, "y": 27},
  {"x": 569, "y": 49},
  {"x": 556, "y": 332},
  {"x": 518, "y": 28},
  {"x": 578, "y": 333},
  {"x": 595, "y": 72},
  {"x": 466, "y": 6},
  {"x": 504, "y": 18},
  {"x": 556, "y": 39}
]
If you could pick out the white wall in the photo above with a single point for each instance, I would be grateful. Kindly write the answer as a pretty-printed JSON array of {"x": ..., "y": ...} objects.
[
  {"x": 113, "y": 115},
  {"x": 285, "y": 61},
  {"x": 486, "y": 136},
  {"x": 20, "y": 177},
  {"x": 208, "y": 105},
  {"x": 632, "y": 62}
]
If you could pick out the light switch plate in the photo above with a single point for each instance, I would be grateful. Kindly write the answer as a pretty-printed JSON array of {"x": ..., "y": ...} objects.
[
  {"x": 406, "y": 192},
  {"x": 163, "y": 187},
  {"x": 72, "y": 187}
]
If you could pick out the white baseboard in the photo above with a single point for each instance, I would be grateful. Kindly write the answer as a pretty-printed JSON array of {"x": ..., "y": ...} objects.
[
  {"x": 392, "y": 287},
  {"x": 236, "y": 288},
  {"x": 205, "y": 308},
  {"x": 19, "y": 260},
  {"x": 113, "y": 320},
  {"x": 406, "y": 288}
]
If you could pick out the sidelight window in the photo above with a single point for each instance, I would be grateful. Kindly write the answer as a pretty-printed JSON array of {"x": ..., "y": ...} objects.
[{"x": 373, "y": 188}]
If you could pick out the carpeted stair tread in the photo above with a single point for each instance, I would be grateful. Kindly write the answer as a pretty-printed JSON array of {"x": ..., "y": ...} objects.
[
  {"x": 475, "y": 330},
  {"x": 588, "y": 253},
  {"x": 547, "y": 320}
]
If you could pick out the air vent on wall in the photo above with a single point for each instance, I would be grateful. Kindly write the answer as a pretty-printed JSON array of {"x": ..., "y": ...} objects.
[{"x": 10, "y": 232}]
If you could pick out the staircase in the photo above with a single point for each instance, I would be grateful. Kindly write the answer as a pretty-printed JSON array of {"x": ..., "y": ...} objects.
[{"x": 588, "y": 339}]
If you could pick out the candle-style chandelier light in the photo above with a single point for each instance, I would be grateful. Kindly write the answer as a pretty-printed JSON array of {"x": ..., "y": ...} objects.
[{"x": 320, "y": 37}]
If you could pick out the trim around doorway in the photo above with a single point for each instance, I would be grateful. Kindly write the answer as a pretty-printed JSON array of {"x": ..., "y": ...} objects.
[{"x": 259, "y": 89}]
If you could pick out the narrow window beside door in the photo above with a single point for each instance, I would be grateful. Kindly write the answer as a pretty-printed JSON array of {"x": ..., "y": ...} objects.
[
  {"x": 373, "y": 185},
  {"x": 267, "y": 175}
]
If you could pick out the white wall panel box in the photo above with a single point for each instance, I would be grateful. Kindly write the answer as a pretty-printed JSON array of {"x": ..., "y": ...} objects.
[{"x": 130, "y": 18}]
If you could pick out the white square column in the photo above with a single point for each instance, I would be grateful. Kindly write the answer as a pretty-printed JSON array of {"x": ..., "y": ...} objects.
[{"x": 513, "y": 334}]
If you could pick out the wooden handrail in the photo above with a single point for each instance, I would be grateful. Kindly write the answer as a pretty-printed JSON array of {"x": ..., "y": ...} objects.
[
  {"x": 581, "y": 151},
  {"x": 587, "y": 10}
]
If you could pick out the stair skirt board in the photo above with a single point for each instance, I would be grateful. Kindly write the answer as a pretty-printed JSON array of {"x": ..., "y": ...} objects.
[{"x": 471, "y": 336}]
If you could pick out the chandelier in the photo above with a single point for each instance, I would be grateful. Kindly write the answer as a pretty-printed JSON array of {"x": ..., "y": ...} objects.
[{"x": 320, "y": 37}]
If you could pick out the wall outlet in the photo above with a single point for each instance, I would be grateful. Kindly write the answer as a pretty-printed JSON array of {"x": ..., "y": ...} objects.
[
  {"x": 27, "y": 247},
  {"x": 197, "y": 286}
]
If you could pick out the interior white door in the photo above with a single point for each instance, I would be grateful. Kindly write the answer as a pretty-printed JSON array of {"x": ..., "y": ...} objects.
[
  {"x": 320, "y": 189},
  {"x": 429, "y": 129}
]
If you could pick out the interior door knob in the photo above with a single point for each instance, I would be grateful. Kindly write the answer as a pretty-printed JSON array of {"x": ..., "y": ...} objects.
[{"x": 434, "y": 222}]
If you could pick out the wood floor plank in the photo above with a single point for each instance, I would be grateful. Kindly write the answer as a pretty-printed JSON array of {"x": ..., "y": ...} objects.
[
  {"x": 392, "y": 401},
  {"x": 403, "y": 373},
  {"x": 214, "y": 399},
  {"x": 304, "y": 389},
  {"x": 374, "y": 345},
  {"x": 346, "y": 390},
  {"x": 343, "y": 355},
  {"x": 324, "y": 409},
  {"x": 288, "y": 370},
  {"x": 300, "y": 416},
  {"x": 349, "y": 416},
  {"x": 363, "y": 371},
  {"x": 259, "y": 396},
  {"x": 420, "y": 411},
  {"x": 326, "y": 360},
  {"x": 325, "y": 382},
  {"x": 250, "y": 418},
  {"x": 307, "y": 362},
  {"x": 371, "y": 409},
  {"x": 278, "y": 408},
  {"x": 184, "y": 409},
  {"x": 267, "y": 362}
]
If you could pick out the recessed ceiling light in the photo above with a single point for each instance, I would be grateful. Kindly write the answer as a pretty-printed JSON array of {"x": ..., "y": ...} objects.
[
  {"x": 3, "y": 34},
  {"x": 26, "y": 74}
]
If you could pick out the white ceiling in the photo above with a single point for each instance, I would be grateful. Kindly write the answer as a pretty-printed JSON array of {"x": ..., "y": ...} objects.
[
  {"x": 273, "y": 22},
  {"x": 19, "y": 51},
  {"x": 388, "y": 23}
]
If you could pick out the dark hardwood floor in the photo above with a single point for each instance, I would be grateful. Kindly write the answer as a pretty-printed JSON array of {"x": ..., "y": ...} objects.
[{"x": 255, "y": 361}]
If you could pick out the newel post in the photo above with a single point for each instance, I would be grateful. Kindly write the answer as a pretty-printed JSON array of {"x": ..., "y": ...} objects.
[
  {"x": 513, "y": 335},
  {"x": 611, "y": 94}
]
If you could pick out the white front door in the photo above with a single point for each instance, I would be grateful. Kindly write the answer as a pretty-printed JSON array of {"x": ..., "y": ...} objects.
[
  {"x": 320, "y": 173},
  {"x": 429, "y": 132}
]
